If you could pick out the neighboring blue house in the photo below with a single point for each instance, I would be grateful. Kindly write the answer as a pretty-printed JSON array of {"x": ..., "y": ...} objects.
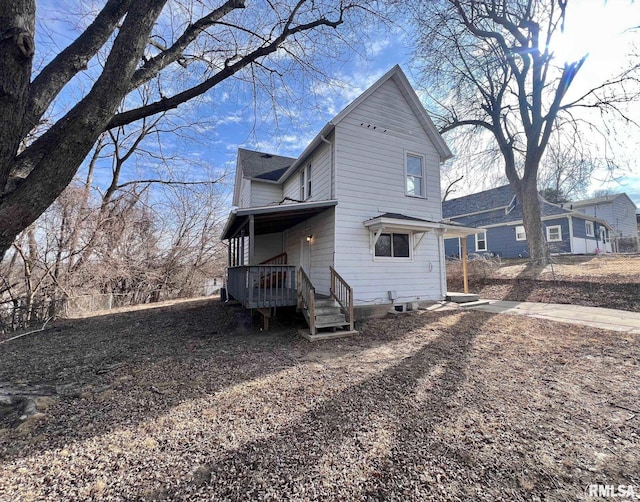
[{"x": 499, "y": 212}]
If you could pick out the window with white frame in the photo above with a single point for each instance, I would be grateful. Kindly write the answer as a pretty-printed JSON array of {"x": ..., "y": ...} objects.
[
  {"x": 588, "y": 226},
  {"x": 521, "y": 235},
  {"x": 393, "y": 245},
  {"x": 415, "y": 175},
  {"x": 305, "y": 182},
  {"x": 481, "y": 241},
  {"x": 554, "y": 233}
]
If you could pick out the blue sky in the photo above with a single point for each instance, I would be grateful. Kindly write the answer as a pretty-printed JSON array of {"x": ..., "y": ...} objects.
[{"x": 229, "y": 116}]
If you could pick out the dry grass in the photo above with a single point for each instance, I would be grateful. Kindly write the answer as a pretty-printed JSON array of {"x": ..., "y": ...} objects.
[
  {"x": 183, "y": 403},
  {"x": 611, "y": 281}
]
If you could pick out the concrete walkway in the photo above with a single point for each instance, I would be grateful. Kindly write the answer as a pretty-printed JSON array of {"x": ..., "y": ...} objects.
[{"x": 615, "y": 320}]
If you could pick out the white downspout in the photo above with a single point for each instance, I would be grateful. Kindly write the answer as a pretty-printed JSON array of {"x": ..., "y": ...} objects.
[{"x": 332, "y": 164}]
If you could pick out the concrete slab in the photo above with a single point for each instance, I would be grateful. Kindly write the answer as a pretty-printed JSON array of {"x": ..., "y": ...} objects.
[
  {"x": 611, "y": 319},
  {"x": 461, "y": 297}
]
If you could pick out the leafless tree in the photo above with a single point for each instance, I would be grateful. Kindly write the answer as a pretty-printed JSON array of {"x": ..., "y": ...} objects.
[
  {"x": 185, "y": 47},
  {"x": 491, "y": 67}
]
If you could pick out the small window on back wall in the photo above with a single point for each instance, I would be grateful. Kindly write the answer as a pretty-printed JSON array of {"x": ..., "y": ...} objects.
[
  {"x": 393, "y": 246},
  {"x": 521, "y": 235},
  {"x": 305, "y": 182}
]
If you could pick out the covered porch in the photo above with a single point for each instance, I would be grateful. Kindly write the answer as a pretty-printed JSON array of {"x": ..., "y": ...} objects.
[{"x": 259, "y": 273}]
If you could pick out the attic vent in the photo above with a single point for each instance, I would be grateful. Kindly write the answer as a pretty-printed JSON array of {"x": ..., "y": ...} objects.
[{"x": 266, "y": 156}]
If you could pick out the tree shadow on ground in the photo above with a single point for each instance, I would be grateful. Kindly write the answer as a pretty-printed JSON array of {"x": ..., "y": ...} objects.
[{"x": 386, "y": 417}]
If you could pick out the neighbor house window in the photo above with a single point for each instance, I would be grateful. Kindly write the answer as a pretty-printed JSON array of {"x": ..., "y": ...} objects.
[
  {"x": 520, "y": 233},
  {"x": 393, "y": 246},
  {"x": 554, "y": 233},
  {"x": 589, "y": 228},
  {"x": 305, "y": 182},
  {"x": 415, "y": 175},
  {"x": 481, "y": 241}
]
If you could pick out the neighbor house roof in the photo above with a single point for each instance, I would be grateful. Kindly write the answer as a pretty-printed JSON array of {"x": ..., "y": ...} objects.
[
  {"x": 478, "y": 202},
  {"x": 499, "y": 206},
  {"x": 600, "y": 200}
]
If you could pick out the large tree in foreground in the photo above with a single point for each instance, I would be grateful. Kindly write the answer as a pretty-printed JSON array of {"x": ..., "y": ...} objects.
[
  {"x": 492, "y": 67},
  {"x": 183, "y": 47}
]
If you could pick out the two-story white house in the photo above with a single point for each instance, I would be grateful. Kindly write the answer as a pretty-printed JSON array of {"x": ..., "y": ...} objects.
[
  {"x": 620, "y": 212},
  {"x": 355, "y": 219}
]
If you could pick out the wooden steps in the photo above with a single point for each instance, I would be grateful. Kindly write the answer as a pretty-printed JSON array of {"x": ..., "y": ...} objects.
[
  {"x": 326, "y": 335},
  {"x": 328, "y": 316}
]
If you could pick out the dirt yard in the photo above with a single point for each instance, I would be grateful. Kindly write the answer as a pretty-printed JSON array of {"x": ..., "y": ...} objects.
[
  {"x": 183, "y": 402},
  {"x": 611, "y": 281}
]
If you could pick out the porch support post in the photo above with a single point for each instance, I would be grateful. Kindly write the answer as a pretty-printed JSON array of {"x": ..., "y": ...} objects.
[
  {"x": 251, "y": 239},
  {"x": 242, "y": 248},
  {"x": 463, "y": 241}
]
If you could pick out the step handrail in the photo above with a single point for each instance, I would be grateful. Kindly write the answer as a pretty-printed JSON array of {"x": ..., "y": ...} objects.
[
  {"x": 279, "y": 259},
  {"x": 307, "y": 298},
  {"x": 343, "y": 294}
]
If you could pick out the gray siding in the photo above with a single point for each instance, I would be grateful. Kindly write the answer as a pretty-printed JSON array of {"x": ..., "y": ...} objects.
[
  {"x": 245, "y": 193},
  {"x": 264, "y": 194},
  {"x": 320, "y": 162},
  {"x": 371, "y": 143},
  {"x": 619, "y": 212},
  {"x": 318, "y": 252}
]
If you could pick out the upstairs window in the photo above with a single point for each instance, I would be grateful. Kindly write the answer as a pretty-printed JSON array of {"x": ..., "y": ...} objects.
[
  {"x": 415, "y": 175},
  {"x": 393, "y": 246},
  {"x": 305, "y": 182},
  {"x": 588, "y": 226},
  {"x": 521, "y": 235},
  {"x": 554, "y": 233}
]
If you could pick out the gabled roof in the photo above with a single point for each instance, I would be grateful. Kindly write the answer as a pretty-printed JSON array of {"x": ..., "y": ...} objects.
[
  {"x": 547, "y": 210},
  {"x": 600, "y": 200},
  {"x": 262, "y": 165},
  {"x": 409, "y": 94},
  {"x": 488, "y": 200},
  {"x": 489, "y": 208}
]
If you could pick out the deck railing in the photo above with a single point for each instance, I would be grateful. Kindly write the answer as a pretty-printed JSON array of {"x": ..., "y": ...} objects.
[
  {"x": 307, "y": 298},
  {"x": 343, "y": 294},
  {"x": 262, "y": 286},
  {"x": 279, "y": 259}
]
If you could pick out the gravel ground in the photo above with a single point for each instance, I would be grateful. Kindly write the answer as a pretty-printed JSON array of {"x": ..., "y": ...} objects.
[{"x": 189, "y": 402}]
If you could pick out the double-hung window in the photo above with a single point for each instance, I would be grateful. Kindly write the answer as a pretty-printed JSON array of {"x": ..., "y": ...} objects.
[
  {"x": 393, "y": 246},
  {"x": 415, "y": 175},
  {"x": 305, "y": 182},
  {"x": 588, "y": 226},
  {"x": 521, "y": 235},
  {"x": 481, "y": 241},
  {"x": 554, "y": 233}
]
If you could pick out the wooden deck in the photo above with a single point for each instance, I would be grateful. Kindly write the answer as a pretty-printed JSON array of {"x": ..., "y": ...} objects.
[{"x": 263, "y": 286}]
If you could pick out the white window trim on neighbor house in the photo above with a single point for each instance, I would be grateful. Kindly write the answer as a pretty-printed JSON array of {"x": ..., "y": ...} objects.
[
  {"x": 589, "y": 229},
  {"x": 305, "y": 182},
  {"x": 422, "y": 177},
  {"x": 377, "y": 257},
  {"x": 483, "y": 240},
  {"x": 521, "y": 235},
  {"x": 551, "y": 230}
]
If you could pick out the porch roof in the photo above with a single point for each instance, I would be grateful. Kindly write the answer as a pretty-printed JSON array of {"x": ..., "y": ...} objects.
[
  {"x": 394, "y": 221},
  {"x": 272, "y": 219}
]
